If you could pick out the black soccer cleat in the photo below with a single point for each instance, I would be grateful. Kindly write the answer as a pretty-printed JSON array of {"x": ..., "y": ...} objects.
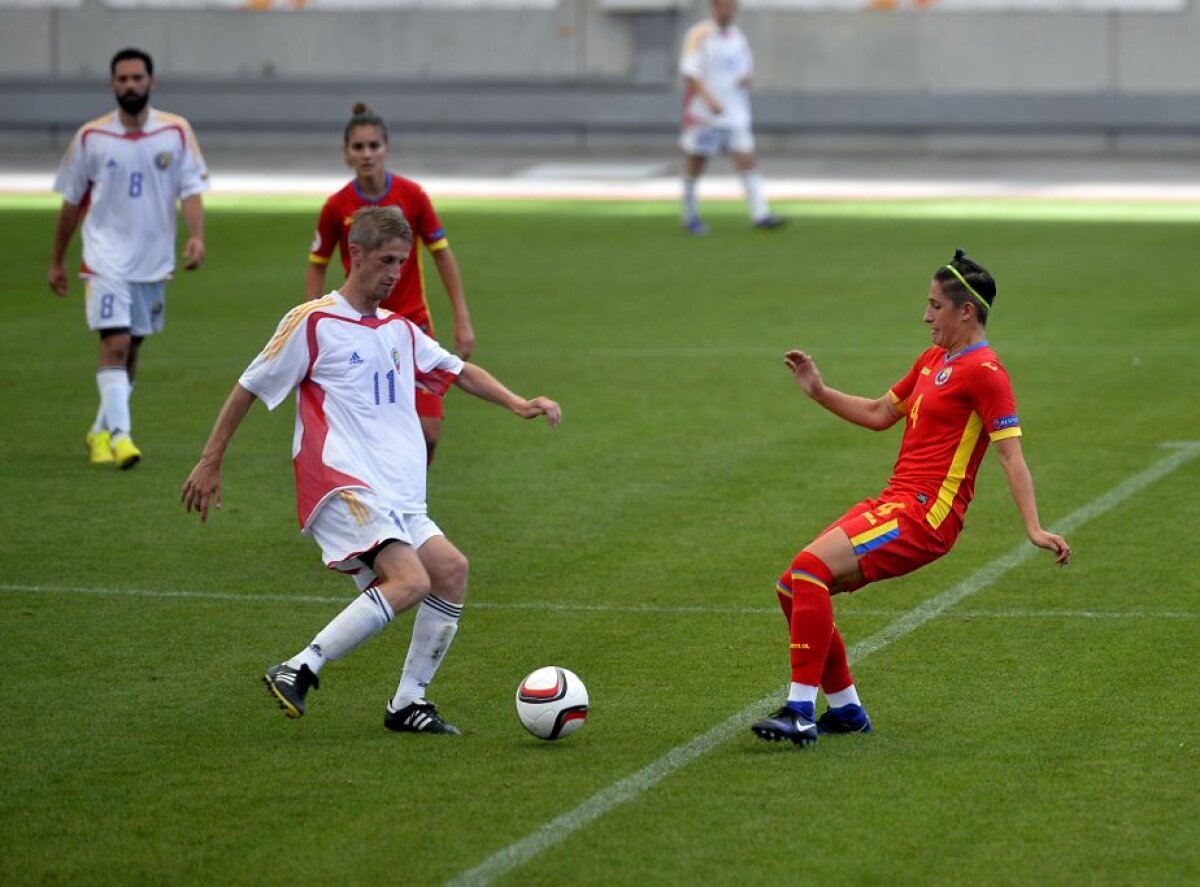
[
  {"x": 769, "y": 223},
  {"x": 789, "y": 724},
  {"x": 419, "y": 716},
  {"x": 844, "y": 719},
  {"x": 289, "y": 686}
]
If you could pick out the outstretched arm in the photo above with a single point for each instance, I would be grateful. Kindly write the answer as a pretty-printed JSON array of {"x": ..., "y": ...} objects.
[
  {"x": 482, "y": 384},
  {"x": 204, "y": 483},
  {"x": 64, "y": 230},
  {"x": 875, "y": 414},
  {"x": 464, "y": 333},
  {"x": 1020, "y": 481}
]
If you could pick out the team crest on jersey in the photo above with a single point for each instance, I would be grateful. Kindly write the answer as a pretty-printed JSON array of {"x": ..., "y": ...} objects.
[
  {"x": 943, "y": 377},
  {"x": 162, "y": 161}
]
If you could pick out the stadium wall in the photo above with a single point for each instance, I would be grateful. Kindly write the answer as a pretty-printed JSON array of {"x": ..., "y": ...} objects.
[{"x": 584, "y": 74}]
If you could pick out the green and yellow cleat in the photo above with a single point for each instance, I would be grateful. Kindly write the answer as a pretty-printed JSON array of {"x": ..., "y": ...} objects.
[
  {"x": 125, "y": 453},
  {"x": 99, "y": 447}
]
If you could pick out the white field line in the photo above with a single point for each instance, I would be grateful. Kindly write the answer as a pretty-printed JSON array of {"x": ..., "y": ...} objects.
[
  {"x": 639, "y": 186},
  {"x": 563, "y": 826},
  {"x": 551, "y": 607}
]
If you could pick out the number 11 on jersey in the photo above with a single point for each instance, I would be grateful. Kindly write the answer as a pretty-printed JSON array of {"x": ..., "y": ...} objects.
[{"x": 391, "y": 387}]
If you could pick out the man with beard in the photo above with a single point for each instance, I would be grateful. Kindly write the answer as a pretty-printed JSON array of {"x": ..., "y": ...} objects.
[{"x": 123, "y": 174}]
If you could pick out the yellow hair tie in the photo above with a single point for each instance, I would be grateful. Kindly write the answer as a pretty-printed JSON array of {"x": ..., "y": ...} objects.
[{"x": 978, "y": 298}]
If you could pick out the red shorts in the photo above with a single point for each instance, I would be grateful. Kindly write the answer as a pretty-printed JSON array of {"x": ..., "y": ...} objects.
[
  {"x": 429, "y": 405},
  {"x": 891, "y": 538}
]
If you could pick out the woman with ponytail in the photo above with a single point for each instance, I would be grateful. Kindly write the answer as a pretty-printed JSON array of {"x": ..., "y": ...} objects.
[
  {"x": 365, "y": 143},
  {"x": 955, "y": 401}
]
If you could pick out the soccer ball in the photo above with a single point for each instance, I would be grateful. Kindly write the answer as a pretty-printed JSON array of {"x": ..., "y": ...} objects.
[{"x": 552, "y": 702}]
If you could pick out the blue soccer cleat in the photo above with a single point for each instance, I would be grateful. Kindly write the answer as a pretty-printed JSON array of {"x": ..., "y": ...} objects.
[
  {"x": 796, "y": 725},
  {"x": 844, "y": 719}
]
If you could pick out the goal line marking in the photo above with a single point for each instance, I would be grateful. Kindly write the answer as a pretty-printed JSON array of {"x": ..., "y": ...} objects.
[{"x": 621, "y": 792}]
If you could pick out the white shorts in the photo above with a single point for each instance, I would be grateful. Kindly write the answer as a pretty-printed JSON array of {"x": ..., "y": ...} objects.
[
  {"x": 123, "y": 304},
  {"x": 353, "y": 522},
  {"x": 709, "y": 141}
]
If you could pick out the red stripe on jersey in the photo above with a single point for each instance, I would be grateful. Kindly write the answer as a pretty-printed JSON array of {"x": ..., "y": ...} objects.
[
  {"x": 135, "y": 136},
  {"x": 314, "y": 479}
]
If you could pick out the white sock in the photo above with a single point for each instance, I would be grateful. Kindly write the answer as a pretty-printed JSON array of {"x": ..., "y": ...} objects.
[
  {"x": 362, "y": 620},
  {"x": 114, "y": 386},
  {"x": 755, "y": 199},
  {"x": 98, "y": 425},
  {"x": 802, "y": 693},
  {"x": 849, "y": 696},
  {"x": 691, "y": 207},
  {"x": 433, "y": 630}
]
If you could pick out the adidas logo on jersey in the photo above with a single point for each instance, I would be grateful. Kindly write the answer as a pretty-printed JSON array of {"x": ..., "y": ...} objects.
[{"x": 355, "y": 360}]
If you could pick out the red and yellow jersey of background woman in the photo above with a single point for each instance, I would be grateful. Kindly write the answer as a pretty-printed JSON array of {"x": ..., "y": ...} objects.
[
  {"x": 953, "y": 406},
  {"x": 333, "y": 228}
]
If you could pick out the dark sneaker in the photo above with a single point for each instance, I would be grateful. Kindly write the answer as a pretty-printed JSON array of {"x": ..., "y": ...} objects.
[
  {"x": 695, "y": 226},
  {"x": 289, "y": 686},
  {"x": 419, "y": 716},
  {"x": 845, "y": 719},
  {"x": 770, "y": 223},
  {"x": 787, "y": 723}
]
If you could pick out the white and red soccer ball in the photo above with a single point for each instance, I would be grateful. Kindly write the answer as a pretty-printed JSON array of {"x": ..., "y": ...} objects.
[{"x": 552, "y": 702}]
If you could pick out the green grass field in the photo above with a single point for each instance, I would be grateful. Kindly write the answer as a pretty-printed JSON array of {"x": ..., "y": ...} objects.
[{"x": 1043, "y": 729}]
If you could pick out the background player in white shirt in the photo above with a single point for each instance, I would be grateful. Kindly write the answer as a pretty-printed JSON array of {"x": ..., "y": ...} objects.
[
  {"x": 123, "y": 174},
  {"x": 359, "y": 457},
  {"x": 717, "y": 68}
]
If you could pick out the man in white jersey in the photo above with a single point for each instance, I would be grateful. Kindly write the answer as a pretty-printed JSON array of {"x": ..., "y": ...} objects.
[
  {"x": 123, "y": 174},
  {"x": 360, "y": 463},
  {"x": 717, "y": 68}
]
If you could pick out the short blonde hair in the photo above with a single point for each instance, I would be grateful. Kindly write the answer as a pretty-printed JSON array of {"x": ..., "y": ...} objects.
[{"x": 373, "y": 226}]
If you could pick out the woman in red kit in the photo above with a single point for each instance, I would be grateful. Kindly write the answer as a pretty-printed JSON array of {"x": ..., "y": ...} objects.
[
  {"x": 366, "y": 148},
  {"x": 955, "y": 400}
]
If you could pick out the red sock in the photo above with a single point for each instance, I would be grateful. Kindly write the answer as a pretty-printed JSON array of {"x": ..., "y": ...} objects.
[
  {"x": 836, "y": 676},
  {"x": 783, "y": 591},
  {"x": 812, "y": 618}
]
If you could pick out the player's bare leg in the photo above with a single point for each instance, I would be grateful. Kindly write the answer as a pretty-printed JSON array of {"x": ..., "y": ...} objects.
[
  {"x": 434, "y": 628},
  {"x": 431, "y": 427}
]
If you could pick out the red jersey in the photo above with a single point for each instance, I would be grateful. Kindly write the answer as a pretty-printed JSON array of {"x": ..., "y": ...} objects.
[
  {"x": 333, "y": 228},
  {"x": 953, "y": 406}
]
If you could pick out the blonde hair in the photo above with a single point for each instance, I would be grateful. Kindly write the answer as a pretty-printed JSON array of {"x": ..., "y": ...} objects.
[{"x": 373, "y": 226}]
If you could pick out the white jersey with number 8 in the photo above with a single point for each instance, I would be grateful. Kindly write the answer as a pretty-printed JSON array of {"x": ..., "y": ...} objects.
[{"x": 131, "y": 182}]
